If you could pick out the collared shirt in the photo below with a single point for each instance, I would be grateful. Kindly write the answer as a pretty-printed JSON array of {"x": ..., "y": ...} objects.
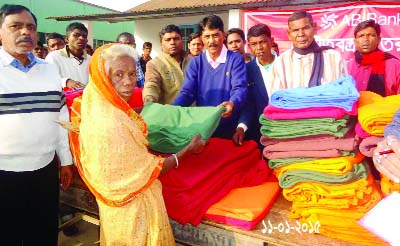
[
  {"x": 264, "y": 73},
  {"x": 264, "y": 70},
  {"x": 292, "y": 70},
  {"x": 221, "y": 58},
  {"x": 8, "y": 59},
  {"x": 69, "y": 66}
]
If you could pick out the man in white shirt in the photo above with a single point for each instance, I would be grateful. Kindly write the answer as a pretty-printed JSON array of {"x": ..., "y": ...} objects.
[
  {"x": 306, "y": 64},
  {"x": 31, "y": 101},
  {"x": 259, "y": 41},
  {"x": 73, "y": 61}
]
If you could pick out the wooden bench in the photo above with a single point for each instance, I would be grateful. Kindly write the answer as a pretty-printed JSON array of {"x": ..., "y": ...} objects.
[{"x": 209, "y": 233}]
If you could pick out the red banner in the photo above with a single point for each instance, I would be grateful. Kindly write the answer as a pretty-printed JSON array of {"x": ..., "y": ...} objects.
[{"x": 335, "y": 25}]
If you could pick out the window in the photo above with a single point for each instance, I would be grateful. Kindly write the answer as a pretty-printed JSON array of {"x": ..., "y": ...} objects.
[{"x": 186, "y": 31}]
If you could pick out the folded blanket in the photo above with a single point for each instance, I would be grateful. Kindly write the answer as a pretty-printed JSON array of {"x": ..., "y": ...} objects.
[
  {"x": 172, "y": 127},
  {"x": 340, "y": 224},
  {"x": 275, "y": 163},
  {"x": 360, "y": 132},
  {"x": 339, "y": 196},
  {"x": 203, "y": 179},
  {"x": 283, "y": 129},
  {"x": 341, "y": 93},
  {"x": 334, "y": 166},
  {"x": 290, "y": 178},
  {"x": 388, "y": 186},
  {"x": 375, "y": 111},
  {"x": 368, "y": 145},
  {"x": 330, "y": 153},
  {"x": 315, "y": 142},
  {"x": 244, "y": 207},
  {"x": 273, "y": 113},
  {"x": 311, "y": 146}
]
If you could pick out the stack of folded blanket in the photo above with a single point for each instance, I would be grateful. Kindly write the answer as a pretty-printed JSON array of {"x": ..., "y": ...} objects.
[
  {"x": 310, "y": 141},
  {"x": 213, "y": 183},
  {"x": 374, "y": 113}
]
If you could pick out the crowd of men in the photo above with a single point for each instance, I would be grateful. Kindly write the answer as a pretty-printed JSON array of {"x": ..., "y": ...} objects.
[{"x": 215, "y": 72}]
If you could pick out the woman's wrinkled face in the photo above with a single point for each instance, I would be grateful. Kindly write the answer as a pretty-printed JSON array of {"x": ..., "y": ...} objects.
[{"x": 122, "y": 72}]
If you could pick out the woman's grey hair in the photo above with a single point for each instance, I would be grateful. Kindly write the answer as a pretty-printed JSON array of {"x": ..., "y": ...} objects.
[{"x": 119, "y": 50}]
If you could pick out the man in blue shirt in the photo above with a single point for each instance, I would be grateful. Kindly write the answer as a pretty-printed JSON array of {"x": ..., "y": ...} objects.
[{"x": 217, "y": 77}]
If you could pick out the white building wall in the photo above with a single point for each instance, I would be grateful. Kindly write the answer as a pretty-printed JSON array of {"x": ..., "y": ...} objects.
[
  {"x": 147, "y": 30},
  {"x": 234, "y": 18}
]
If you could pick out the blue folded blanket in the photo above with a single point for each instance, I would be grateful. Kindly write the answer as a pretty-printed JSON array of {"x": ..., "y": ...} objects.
[{"x": 341, "y": 93}]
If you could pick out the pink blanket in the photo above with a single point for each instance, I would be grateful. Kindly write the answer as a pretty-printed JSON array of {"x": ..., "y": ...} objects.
[
  {"x": 318, "y": 142},
  {"x": 274, "y": 113},
  {"x": 360, "y": 132},
  {"x": 320, "y": 146},
  {"x": 302, "y": 154},
  {"x": 368, "y": 145}
]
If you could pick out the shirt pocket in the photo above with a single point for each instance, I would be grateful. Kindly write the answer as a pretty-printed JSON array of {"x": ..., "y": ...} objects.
[{"x": 169, "y": 79}]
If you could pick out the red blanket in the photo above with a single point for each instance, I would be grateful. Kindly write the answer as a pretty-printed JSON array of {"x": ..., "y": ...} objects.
[{"x": 203, "y": 179}]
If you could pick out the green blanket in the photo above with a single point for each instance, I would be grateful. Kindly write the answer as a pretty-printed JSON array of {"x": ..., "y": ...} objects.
[
  {"x": 172, "y": 127},
  {"x": 282, "y": 129},
  {"x": 275, "y": 163},
  {"x": 291, "y": 178}
]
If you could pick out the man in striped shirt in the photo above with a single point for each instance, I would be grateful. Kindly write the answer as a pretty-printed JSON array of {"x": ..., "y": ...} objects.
[
  {"x": 31, "y": 102},
  {"x": 306, "y": 64}
]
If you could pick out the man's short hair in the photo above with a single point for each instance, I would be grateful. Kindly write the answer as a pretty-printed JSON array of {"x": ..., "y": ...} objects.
[
  {"x": 258, "y": 30},
  {"x": 10, "y": 9},
  {"x": 237, "y": 31},
  {"x": 76, "y": 25},
  {"x": 54, "y": 35},
  {"x": 368, "y": 23},
  {"x": 169, "y": 29},
  {"x": 39, "y": 44},
  {"x": 212, "y": 22},
  {"x": 300, "y": 15},
  {"x": 147, "y": 44},
  {"x": 194, "y": 35},
  {"x": 125, "y": 34}
]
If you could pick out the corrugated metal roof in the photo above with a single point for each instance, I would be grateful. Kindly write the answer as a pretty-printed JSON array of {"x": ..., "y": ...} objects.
[
  {"x": 176, "y": 4},
  {"x": 175, "y": 8}
]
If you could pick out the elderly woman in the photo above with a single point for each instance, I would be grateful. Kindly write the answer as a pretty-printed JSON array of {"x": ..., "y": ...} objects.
[
  {"x": 110, "y": 150},
  {"x": 387, "y": 154}
]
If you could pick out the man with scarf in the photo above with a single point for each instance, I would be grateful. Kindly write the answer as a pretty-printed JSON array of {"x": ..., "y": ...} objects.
[
  {"x": 373, "y": 69},
  {"x": 306, "y": 64}
]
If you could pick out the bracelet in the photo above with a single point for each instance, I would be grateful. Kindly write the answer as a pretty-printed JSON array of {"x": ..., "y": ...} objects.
[{"x": 176, "y": 160}]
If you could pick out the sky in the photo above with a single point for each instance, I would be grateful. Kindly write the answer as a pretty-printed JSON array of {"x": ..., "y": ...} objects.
[{"x": 118, "y": 5}]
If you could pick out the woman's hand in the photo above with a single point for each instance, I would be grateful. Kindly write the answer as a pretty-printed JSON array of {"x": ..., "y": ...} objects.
[
  {"x": 388, "y": 164},
  {"x": 196, "y": 145}
]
